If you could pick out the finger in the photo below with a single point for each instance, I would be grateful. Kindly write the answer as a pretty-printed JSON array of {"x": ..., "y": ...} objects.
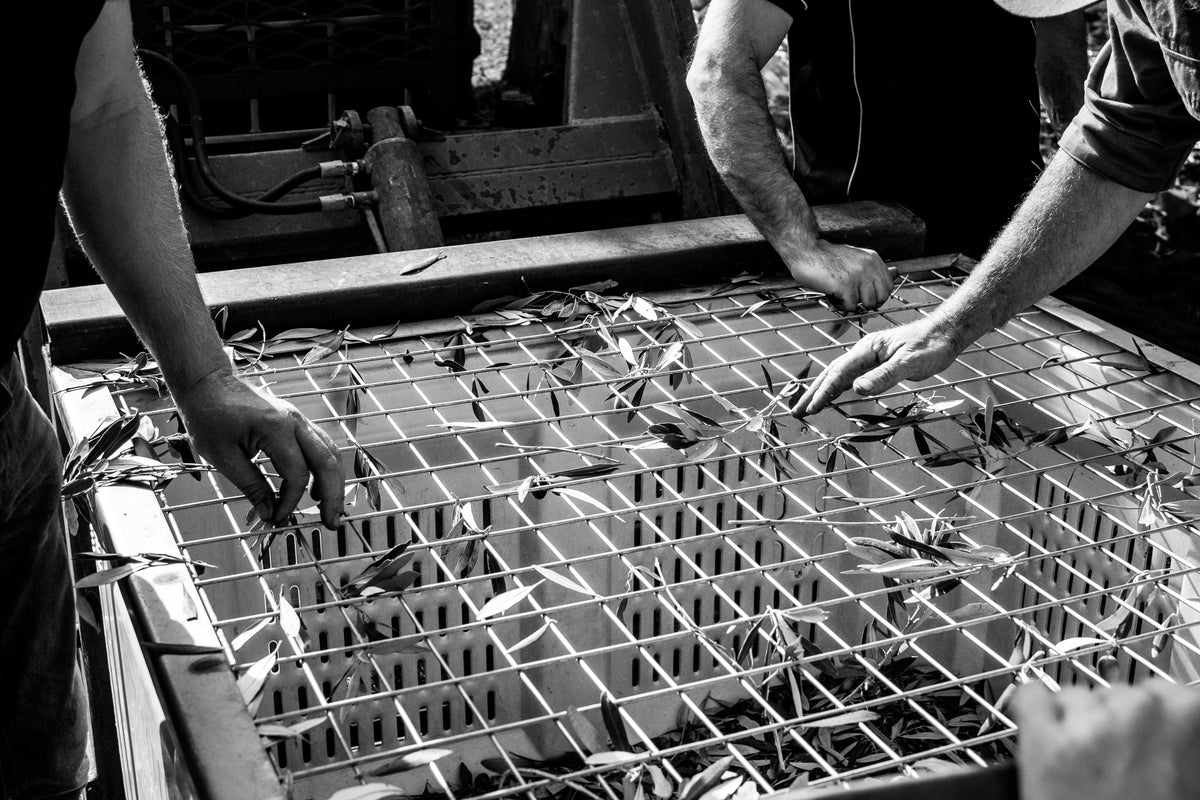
[
  {"x": 885, "y": 282},
  {"x": 836, "y": 377},
  {"x": 869, "y": 295},
  {"x": 1035, "y": 706},
  {"x": 880, "y": 379},
  {"x": 248, "y": 478},
  {"x": 284, "y": 451},
  {"x": 325, "y": 463},
  {"x": 846, "y": 300}
]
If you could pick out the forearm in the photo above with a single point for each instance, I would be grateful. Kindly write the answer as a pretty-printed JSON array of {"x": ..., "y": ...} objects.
[
  {"x": 122, "y": 203},
  {"x": 1069, "y": 219},
  {"x": 731, "y": 106}
]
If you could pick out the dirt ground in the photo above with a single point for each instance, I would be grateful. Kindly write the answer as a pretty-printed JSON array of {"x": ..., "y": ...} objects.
[{"x": 1149, "y": 281}]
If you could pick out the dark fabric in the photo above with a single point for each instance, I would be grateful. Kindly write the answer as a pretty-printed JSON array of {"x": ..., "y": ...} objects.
[
  {"x": 950, "y": 109},
  {"x": 44, "y": 102},
  {"x": 43, "y": 708},
  {"x": 1141, "y": 113}
]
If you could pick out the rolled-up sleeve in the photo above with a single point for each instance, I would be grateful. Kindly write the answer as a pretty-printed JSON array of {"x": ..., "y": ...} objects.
[{"x": 1134, "y": 127}]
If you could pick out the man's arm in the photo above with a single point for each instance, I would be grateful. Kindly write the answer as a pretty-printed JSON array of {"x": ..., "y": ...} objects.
[
  {"x": 1109, "y": 744},
  {"x": 1068, "y": 220},
  {"x": 737, "y": 39},
  {"x": 122, "y": 202}
]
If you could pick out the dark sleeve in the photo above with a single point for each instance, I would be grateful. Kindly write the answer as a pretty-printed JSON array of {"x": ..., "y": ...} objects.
[
  {"x": 1134, "y": 127},
  {"x": 791, "y": 7}
]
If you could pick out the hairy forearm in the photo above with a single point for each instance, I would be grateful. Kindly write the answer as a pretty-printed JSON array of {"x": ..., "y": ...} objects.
[
  {"x": 731, "y": 107},
  {"x": 122, "y": 203},
  {"x": 1069, "y": 219}
]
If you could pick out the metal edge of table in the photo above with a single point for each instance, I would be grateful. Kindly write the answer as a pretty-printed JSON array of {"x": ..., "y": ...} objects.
[
  {"x": 199, "y": 693},
  {"x": 85, "y": 321}
]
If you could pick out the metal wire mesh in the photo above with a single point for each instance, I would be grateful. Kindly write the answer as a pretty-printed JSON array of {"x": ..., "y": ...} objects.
[
  {"x": 283, "y": 66},
  {"x": 712, "y": 592}
]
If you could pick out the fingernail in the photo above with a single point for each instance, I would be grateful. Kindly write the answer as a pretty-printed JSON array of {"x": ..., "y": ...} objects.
[{"x": 264, "y": 511}]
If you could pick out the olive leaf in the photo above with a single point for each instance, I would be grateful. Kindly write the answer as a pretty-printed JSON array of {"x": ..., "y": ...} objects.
[
  {"x": 245, "y": 636},
  {"x": 532, "y": 638},
  {"x": 420, "y": 265},
  {"x": 849, "y": 718},
  {"x": 503, "y": 602},
  {"x": 383, "y": 575},
  {"x": 252, "y": 681},
  {"x": 562, "y": 581},
  {"x": 411, "y": 761},
  {"x": 369, "y": 791}
]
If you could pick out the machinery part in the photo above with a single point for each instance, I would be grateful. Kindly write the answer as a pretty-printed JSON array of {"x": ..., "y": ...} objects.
[
  {"x": 625, "y": 154},
  {"x": 348, "y": 135},
  {"x": 409, "y": 123},
  {"x": 268, "y": 202},
  {"x": 325, "y": 169},
  {"x": 274, "y": 67},
  {"x": 405, "y": 205}
]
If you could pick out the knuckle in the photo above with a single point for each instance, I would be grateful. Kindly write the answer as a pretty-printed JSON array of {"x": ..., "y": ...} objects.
[{"x": 328, "y": 460}]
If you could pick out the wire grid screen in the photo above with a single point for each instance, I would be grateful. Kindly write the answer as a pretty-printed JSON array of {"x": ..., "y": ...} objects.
[
  {"x": 680, "y": 582},
  {"x": 268, "y": 54}
]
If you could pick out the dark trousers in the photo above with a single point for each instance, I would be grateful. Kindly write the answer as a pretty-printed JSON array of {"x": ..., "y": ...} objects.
[{"x": 43, "y": 704}]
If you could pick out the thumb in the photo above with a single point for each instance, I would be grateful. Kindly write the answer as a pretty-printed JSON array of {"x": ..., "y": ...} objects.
[
  {"x": 879, "y": 379},
  {"x": 249, "y": 480}
]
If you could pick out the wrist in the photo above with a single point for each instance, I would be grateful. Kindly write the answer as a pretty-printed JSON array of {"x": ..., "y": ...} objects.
[
  {"x": 201, "y": 381},
  {"x": 951, "y": 328},
  {"x": 796, "y": 245}
]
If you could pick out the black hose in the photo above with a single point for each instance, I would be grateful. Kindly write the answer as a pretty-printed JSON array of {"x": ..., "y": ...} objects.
[
  {"x": 175, "y": 142},
  {"x": 288, "y": 184},
  {"x": 239, "y": 203}
]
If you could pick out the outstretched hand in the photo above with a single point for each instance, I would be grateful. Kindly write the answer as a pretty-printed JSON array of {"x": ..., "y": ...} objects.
[
  {"x": 851, "y": 276},
  {"x": 1109, "y": 744},
  {"x": 230, "y": 423},
  {"x": 879, "y": 361}
]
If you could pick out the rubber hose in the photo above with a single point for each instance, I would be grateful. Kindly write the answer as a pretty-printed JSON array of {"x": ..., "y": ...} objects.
[{"x": 237, "y": 201}]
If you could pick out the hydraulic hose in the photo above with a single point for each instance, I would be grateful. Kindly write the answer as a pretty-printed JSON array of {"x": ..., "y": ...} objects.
[{"x": 240, "y": 205}]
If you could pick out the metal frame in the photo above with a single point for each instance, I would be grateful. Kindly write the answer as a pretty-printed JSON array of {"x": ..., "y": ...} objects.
[
  {"x": 1018, "y": 355},
  {"x": 628, "y": 151}
]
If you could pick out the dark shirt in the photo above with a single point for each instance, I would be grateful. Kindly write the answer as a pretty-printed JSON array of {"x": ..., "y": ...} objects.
[
  {"x": 45, "y": 105},
  {"x": 950, "y": 109},
  {"x": 1141, "y": 113}
]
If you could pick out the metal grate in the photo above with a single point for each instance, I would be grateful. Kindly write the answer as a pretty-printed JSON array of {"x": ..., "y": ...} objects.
[
  {"x": 669, "y": 571},
  {"x": 264, "y": 66}
]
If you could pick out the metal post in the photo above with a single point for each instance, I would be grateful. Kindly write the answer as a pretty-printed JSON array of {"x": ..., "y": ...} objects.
[{"x": 405, "y": 204}]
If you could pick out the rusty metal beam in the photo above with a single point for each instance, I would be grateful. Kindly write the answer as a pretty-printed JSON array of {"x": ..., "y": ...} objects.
[
  {"x": 85, "y": 321},
  {"x": 663, "y": 35},
  {"x": 470, "y": 176},
  {"x": 602, "y": 75}
]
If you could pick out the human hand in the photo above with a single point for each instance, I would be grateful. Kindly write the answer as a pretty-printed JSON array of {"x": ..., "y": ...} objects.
[
  {"x": 880, "y": 360},
  {"x": 1109, "y": 744},
  {"x": 230, "y": 423},
  {"x": 851, "y": 276}
]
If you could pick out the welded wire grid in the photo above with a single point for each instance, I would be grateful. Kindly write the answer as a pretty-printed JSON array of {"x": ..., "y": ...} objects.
[
  {"x": 391, "y": 676},
  {"x": 289, "y": 52}
]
